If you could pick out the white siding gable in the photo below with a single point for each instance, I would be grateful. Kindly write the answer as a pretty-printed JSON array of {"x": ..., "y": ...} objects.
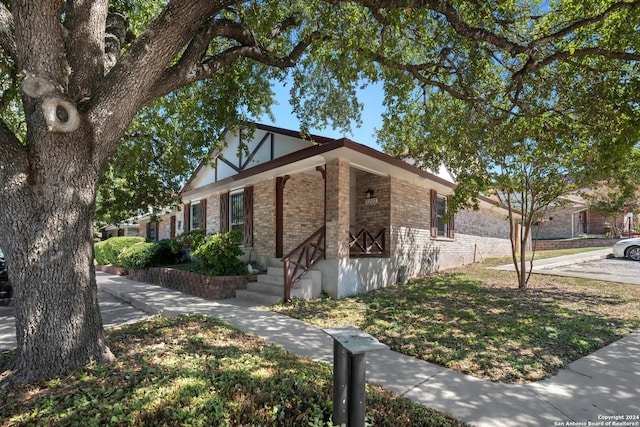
[{"x": 263, "y": 147}]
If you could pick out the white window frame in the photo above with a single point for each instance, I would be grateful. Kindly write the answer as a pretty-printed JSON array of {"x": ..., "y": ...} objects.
[
  {"x": 192, "y": 216},
  {"x": 236, "y": 225},
  {"x": 442, "y": 226}
]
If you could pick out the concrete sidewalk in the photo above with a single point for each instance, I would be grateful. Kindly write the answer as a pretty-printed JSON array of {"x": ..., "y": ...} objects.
[{"x": 603, "y": 384}]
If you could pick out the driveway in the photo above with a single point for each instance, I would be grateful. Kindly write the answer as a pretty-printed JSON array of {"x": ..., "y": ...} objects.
[
  {"x": 608, "y": 270},
  {"x": 114, "y": 312},
  {"x": 594, "y": 265}
]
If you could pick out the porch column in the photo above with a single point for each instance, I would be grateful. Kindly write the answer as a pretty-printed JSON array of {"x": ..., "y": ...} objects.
[{"x": 337, "y": 209}]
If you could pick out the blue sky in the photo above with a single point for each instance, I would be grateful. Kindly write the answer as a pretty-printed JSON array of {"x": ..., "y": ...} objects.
[{"x": 371, "y": 97}]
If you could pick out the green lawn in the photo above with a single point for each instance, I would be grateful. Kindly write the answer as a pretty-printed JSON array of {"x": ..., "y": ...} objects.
[
  {"x": 196, "y": 371},
  {"x": 475, "y": 321}
]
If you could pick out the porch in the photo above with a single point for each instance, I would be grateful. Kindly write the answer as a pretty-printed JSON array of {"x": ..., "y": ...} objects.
[{"x": 324, "y": 216}]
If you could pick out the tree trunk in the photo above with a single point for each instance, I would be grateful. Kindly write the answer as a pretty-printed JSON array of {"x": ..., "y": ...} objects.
[
  {"x": 49, "y": 216},
  {"x": 522, "y": 280}
]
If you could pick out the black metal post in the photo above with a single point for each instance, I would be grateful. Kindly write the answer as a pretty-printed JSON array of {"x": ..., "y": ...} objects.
[
  {"x": 349, "y": 374},
  {"x": 340, "y": 384},
  {"x": 357, "y": 393}
]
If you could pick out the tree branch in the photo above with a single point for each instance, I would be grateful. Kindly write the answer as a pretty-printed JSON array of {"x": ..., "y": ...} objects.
[
  {"x": 85, "y": 23},
  {"x": 44, "y": 57},
  {"x": 143, "y": 64},
  {"x": 7, "y": 39},
  {"x": 532, "y": 66},
  {"x": 416, "y": 71},
  {"x": 10, "y": 148},
  {"x": 6, "y": 135},
  {"x": 283, "y": 26},
  {"x": 193, "y": 66},
  {"x": 530, "y": 49},
  {"x": 585, "y": 22}
]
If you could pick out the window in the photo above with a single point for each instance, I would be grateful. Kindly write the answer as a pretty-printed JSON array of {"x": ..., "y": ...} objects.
[
  {"x": 152, "y": 231},
  {"x": 441, "y": 211},
  {"x": 236, "y": 211},
  {"x": 196, "y": 216},
  {"x": 440, "y": 227}
]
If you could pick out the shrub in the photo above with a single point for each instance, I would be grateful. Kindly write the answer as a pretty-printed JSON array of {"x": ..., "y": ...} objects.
[
  {"x": 189, "y": 239},
  {"x": 145, "y": 255},
  {"x": 219, "y": 254},
  {"x": 165, "y": 255},
  {"x": 98, "y": 253},
  {"x": 114, "y": 246},
  {"x": 138, "y": 257}
]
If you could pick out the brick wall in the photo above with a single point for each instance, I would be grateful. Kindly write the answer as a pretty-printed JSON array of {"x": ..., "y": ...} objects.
[
  {"x": 207, "y": 287},
  {"x": 596, "y": 224},
  {"x": 303, "y": 208},
  {"x": 557, "y": 223},
  {"x": 486, "y": 222},
  {"x": 142, "y": 232},
  {"x": 338, "y": 208},
  {"x": 118, "y": 271},
  {"x": 379, "y": 212},
  {"x": 164, "y": 228},
  {"x": 542, "y": 245},
  {"x": 264, "y": 218},
  {"x": 213, "y": 214},
  {"x": 410, "y": 205},
  {"x": 478, "y": 234}
]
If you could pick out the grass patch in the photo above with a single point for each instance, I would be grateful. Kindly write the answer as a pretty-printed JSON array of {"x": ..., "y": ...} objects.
[
  {"x": 196, "y": 371},
  {"x": 475, "y": 321},
  {"x": 491, "y": 262}
]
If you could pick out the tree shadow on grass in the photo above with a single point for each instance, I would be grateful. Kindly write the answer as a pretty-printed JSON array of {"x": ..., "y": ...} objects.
[
  {"x": 194, "y": 370},
  {"x": 498, "y": 334}
]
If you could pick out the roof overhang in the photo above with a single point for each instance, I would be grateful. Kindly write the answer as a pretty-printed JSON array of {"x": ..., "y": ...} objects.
[{"x": 359, "y": 156}]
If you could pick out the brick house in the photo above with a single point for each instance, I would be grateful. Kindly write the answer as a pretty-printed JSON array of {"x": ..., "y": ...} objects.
[
  {"x": 568, "y": 218},
  {"x": 167, "y": 225},
  {"x": 363, "y": 219},
  {"x": 123, "y": 229}
]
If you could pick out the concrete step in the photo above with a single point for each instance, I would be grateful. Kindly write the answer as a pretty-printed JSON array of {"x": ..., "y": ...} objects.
[
  {"x": 275, "y": 271},
  {"x": 269, "y": 289},
  {"x": 266, "y": 287},
  {"x": 271, "y": 279},
  {"x": 257, "y": 297}
]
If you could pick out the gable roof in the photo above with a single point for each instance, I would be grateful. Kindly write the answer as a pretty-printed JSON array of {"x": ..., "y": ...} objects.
[
  {"x": 320, "y": 151},
  {"x": 310, "y": 138}
]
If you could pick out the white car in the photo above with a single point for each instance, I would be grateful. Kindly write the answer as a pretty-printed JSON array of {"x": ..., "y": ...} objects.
[{"x": 627, "y": 248}]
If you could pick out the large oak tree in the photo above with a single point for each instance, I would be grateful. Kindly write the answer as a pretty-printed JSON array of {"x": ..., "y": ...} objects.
[{"x": 74, "y": 75}]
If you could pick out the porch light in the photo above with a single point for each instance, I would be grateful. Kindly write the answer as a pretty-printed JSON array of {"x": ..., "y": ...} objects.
[{"x": 368, "y": 194}]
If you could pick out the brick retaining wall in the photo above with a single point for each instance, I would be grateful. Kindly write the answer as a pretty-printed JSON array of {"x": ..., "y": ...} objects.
[
  {"x": 543, "y": 245},
  {"x": 118, "y": 271},
  {"x": 207, "y": 287}
]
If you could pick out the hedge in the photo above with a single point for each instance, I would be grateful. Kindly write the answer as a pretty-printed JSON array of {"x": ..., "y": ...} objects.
[
  {"x": 145, "y": 255},
  {"x": 110, "y": 249}
]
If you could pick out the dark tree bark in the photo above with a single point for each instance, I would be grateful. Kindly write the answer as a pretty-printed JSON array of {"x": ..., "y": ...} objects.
[
  {"x": 77, "y": 106},
  {"x": 49, "y": 217}
]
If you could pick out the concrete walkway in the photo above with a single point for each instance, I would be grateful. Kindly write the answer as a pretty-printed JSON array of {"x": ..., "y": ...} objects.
[{"x": 601, "y": 385}]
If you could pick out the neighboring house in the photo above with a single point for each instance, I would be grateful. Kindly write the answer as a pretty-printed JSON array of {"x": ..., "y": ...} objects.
[
  {"x": 167, "y": 225},
  {"x": 368, "y": 218},
  {"x": 124, "y": 229},
  {"x": 570, "y": 218}
]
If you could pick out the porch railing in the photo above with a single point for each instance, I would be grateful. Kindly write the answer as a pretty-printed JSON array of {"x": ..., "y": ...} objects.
[
  {"x": 302, "y": 259},
  {"x": 364, "y": 242}
]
